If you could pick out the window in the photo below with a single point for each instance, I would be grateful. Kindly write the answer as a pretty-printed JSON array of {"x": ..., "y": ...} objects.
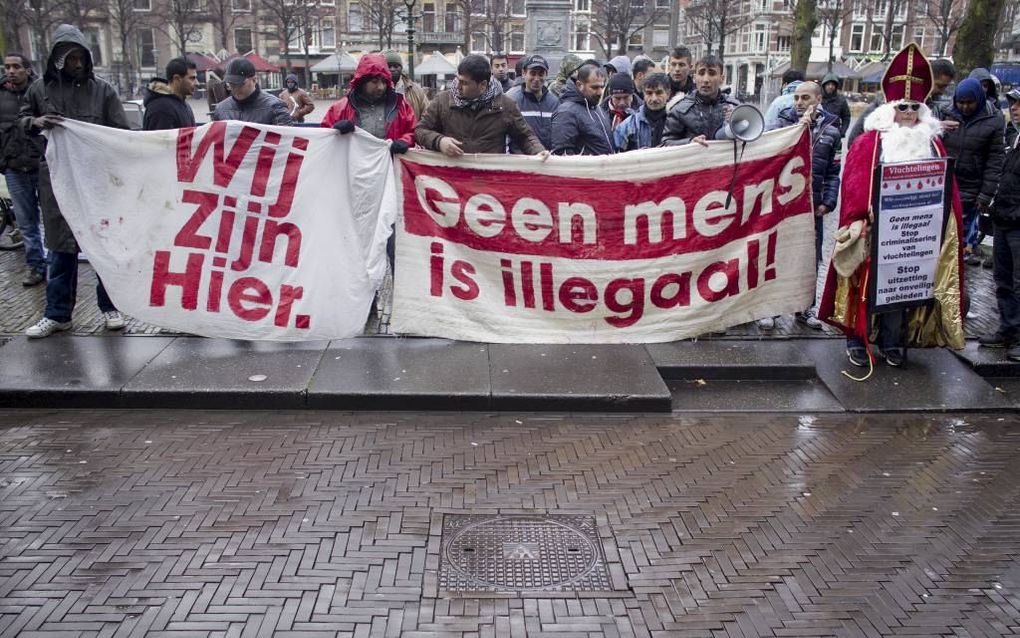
[
  {"x": 294, "y": 39},
  {"x": 95, "y": 46},
  {"x": 660, "y": 39},
  {"x": 517, "y": 8},
  {"x": 428, "y": 17},
  {"x": 763, "y": 6},
  {"x": 663, "y": 4},
  {"x": 146, "y": 42},
  {"x": 857, "y": 38},
  {"x": 478, "y": 42},
  {"x": 327, "y": 34},
  {"x": 758, "y": 39},
  {"x": 877, "y": 39},
  {"x": 637, "y": 7},
  {"x": 241, "y": 6},
  {"x": 860, "y": 10},
  {"x": 478, "y": 7},
  {"x": 517, "y": 42},
  {"x": 897, "y": 37},
  {"x": 142, "y": 5},
  {"x": 637, "y": 40},
  {"x": 242, "y": 41},
  {"x": 451, "y": 19},
  {"x": 355, "y": 21},
  {"x": 582, "y": 6},
  {"x": 580, "y": 38},
  {"x": 784, "y": 43},
  {"x": 919, "y": 37}
]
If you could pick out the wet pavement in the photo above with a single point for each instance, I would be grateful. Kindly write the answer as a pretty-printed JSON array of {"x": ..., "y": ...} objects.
[{"x": 189, "y": 523}]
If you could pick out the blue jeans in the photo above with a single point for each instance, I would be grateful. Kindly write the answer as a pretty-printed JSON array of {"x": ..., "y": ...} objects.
[
  {"x": 1006, "y": 256},
  {"x": 24, "y": 188},
  {"x": 62, "y": 288},
  {"x": 970, "y": 226},
  {"x": 890, "y": 331}
]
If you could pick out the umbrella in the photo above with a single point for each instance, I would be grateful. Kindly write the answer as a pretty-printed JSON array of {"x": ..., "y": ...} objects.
[
  {"x": 436, "y": 64},
  {"x": 332, "y": 64}
]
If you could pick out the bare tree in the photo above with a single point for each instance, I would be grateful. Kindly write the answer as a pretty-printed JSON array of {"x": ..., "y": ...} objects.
[
  {"x": 891, "y": 7},
  {"x": 467, "y": 9},
  {"x": 284, "y": 16},
  {"x": 308, "y": 22},
  {"x": 832, "y": 14},
  {"x": 947, "y": 17},
  {"x": 80, "y": 12},
  {"x": 178, "y": 19},
  {"x": 715, "y": 20},
  {"x": 41, "y": 16},
  {"x": 223, "y": 18},
  {"x": 381, "y": 16},
  {"x": 498, "y": 14},
  {"x": 615, "y": 22},
  {"x": 12, "y": 17},
  {"x": 125, "y": 20}
]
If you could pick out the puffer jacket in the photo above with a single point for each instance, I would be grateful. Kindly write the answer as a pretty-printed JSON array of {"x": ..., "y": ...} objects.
[
  {"x": 1006, "y": 208},
  {"x": 18, "y": 151},
  {"x": 835, "y": 103},
  {"x": 536, "y": 112},
  {"x": 480, "y": 131},
  {"x": 578, "y": 128},
  {"x": 977, "y": 147},
  {"x": 91, "y": 100},
  {"x": 400, "y": 120},
  {"x": 825, "y": 144},
  {"x": 695, "y": 115},
  {"x": 163, "y": 109},
  {"x": 258, "y": 108}
]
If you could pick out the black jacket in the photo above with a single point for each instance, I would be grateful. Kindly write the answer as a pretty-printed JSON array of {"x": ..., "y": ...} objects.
[
  {"x": 825, "y": 143},
  {"x": 693, "y": 116},
  {"x": 579, "y": 128},
  {"x": 258, "y": 108},
  {"x": 836, "y": 104},
  {"x": 18, "y": 150},
  {"x": 978, "y": 150},
  {"x": 1006, "y": 209},
  {"x": 164, "y": 110}
]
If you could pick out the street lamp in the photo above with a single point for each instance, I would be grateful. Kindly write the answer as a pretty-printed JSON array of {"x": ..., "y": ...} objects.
[{"x": 410, "y": 37}]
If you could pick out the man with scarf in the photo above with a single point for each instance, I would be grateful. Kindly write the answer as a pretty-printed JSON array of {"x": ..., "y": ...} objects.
[
  {"x": 474, "y": 116},
  {"x": 900, "y": 130},
  {"x": 680, "y": 69},
  {"x": 620, "y": 101},
  {"x": 644, "y": 128},
  {"x": 297, "y": 101},
  {"x": 977, "y": 146},
  {"x": 68, "y": 89}
]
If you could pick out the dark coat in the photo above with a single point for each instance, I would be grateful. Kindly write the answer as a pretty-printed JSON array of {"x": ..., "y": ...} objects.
[
  {"x": 18, "y": 151},
  {"x": 977, "y": 147},
  {"x": 695, "y": 115},
  {"x": 578, "y": 128},
  {"x": 536, "y": 112},
  {"x": 825, "y": 144},
  {"x": 258, "y": 108},
  {"x": 480, "y": 131},
  {"x": 164, "y": 110},
  {"x": 90, "y": 100},
  {"x": 836, "y": 104},
  {"x": 1006, "y": 209}
]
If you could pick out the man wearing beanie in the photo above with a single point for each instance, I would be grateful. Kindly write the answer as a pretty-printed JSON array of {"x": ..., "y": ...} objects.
[
  {"x": 620, "y": 102},
  {"x": 414, "y": 94},
  {"x": 296, "y": 99}
]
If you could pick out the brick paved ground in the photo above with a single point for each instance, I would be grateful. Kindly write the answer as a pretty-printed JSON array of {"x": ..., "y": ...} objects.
[{"x": 327, "y": 524}]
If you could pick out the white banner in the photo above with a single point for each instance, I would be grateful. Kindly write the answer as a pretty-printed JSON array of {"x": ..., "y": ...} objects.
[
  {"x": 646, "y": 246},
  {"x": 232, "y": 229}
]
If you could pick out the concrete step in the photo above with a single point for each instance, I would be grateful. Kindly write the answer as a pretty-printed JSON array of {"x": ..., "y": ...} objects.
[{"x": 718, "y": 359}]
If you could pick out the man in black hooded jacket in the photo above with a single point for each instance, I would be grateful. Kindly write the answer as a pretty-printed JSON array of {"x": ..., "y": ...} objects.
[
  {"x": 166, "y": 101},
  {"x": 67, "y": 90}
]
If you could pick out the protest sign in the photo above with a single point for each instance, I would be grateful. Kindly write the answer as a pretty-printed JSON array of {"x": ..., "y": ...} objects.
[
  {"x": 639, "y": 247},
  {"x": 911, "y": 209},
  {"x": 231, "y": 229}
]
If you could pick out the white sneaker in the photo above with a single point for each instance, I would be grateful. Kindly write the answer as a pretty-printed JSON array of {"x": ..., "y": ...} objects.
[
  {"x": 114, "y": 320},
  {"x": 45, "y": 327},
  {"x": 768, "y": 323}
]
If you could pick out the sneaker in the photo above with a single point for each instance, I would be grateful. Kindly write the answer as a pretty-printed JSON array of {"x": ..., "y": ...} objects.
[
  {"x": 857, "y": 357},
  {"x": 895, "y": 357},
  {"x": 809, "y": 318},
  {"x": 45, "y": 327},
  {"x": 114, "y": 320},
  {"x": 997, "y": 340},
  {"x": 768, "y": 323},
  {"x": 973, "y": 260},
  {"x": 988, "y": 262},
  {"x": 34, "y": 278},
  {"x": 1013, "y": 354}
]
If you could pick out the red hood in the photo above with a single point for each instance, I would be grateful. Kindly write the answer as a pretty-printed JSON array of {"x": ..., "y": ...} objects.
[{"x": 369, "y": 65}]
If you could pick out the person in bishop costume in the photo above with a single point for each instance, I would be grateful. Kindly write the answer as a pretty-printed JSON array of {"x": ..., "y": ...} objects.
[{"x": 903, "y": 129}]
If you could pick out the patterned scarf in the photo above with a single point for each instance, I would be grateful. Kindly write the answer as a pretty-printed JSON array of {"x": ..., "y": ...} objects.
[{"x": 492, "y": 92}]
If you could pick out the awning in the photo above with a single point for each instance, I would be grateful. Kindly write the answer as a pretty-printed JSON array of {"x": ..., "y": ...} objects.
[
  {"x": 435, "y": 64},
  {"x": 1007, "y": 73},
  {"x": 872, "y": 72},
  {"x": 817, "y": 70},
  {"x": 342, "y": 63},
  {"x": 203, "y": 62},
  {"x": 261, "y": 64}
]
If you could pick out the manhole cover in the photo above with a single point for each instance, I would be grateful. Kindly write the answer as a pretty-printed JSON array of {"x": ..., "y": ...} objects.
[{"x": 521, "y": 553}]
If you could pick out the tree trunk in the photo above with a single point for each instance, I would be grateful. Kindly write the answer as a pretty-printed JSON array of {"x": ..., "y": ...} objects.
[
  {"x": 887, "y": 35},
  {"x": 832, "y": 47},
  {"x": 975, "y": 42},
  {"x": 805, "y": 20}
]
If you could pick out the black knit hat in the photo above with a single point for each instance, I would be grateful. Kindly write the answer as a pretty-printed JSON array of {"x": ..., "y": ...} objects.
[{"x": 621, "y": 83}]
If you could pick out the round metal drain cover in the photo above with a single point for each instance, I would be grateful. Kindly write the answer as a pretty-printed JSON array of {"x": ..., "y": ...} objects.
[{"x": 523, "y": 553}]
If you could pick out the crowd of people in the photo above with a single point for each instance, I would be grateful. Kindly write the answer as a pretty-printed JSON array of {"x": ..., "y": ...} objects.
[{"x": 588, "y": 108}]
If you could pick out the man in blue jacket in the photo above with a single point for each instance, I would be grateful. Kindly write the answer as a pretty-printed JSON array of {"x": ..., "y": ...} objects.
[
  {"x": 535, "y": 101},
  {"x": 644, "y": 128}
]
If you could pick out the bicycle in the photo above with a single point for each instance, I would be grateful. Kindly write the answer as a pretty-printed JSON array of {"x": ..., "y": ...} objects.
[{"x": 10, "y": 236}]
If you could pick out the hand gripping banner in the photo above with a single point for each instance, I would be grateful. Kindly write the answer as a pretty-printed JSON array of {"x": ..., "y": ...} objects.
[
  {"x": 231, "y": 229},
  {"x": 645, "y": 246}
]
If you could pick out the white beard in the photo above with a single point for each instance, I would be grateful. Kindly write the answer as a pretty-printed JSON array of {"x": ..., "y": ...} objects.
[{"x": 902, "y": 144}]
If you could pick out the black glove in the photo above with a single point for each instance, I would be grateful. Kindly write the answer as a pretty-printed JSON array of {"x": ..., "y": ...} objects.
[
  {"x": 344, "y": 126},
  {"x": 399, "y": 147}
]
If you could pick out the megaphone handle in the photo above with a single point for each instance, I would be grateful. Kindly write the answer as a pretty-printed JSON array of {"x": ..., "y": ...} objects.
[{"x": 736, "y": 164}]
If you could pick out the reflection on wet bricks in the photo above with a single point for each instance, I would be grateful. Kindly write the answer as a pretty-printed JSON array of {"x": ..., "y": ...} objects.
[{"x": 138, "y": 523}]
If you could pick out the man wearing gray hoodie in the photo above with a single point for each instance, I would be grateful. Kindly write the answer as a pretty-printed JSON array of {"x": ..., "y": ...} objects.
[{"x": 67, "y": 90}]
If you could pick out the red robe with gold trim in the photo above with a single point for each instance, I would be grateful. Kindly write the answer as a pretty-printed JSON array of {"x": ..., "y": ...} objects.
[{"x": 844, "y": 300}]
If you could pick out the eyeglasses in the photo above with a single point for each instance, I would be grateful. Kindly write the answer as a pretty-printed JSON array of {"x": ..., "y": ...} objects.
[{"x": 903, "y": 107}]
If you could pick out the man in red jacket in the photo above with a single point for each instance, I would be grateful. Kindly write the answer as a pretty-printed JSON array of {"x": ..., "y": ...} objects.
[{"x": 373, "y": 104}]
